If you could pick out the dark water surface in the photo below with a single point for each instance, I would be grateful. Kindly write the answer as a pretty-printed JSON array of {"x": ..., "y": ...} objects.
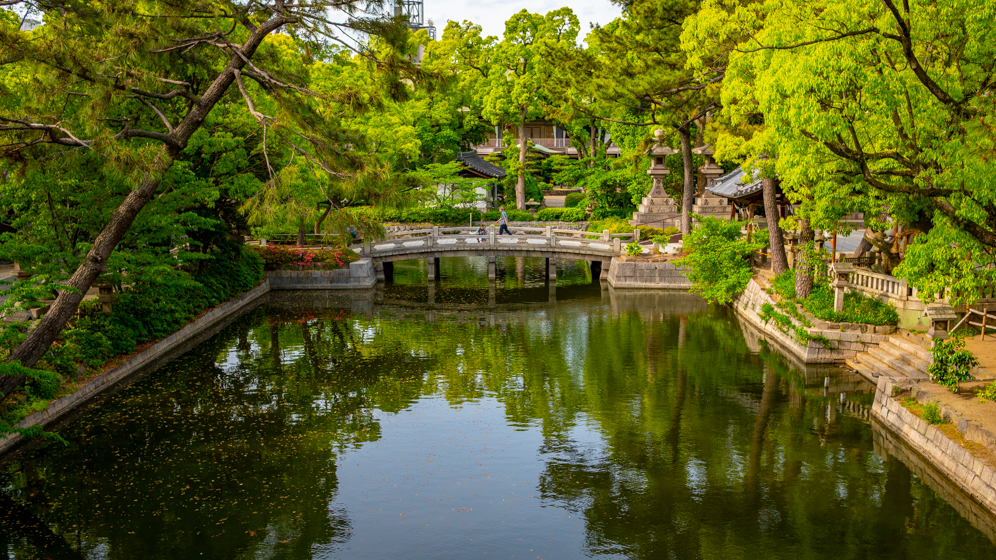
[{"x": 454, "y": 421}]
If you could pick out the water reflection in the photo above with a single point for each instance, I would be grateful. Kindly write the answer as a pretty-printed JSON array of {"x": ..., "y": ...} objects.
[{"x": 617, "y": 424}]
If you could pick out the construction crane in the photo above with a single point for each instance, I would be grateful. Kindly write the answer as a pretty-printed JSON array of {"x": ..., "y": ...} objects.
[{"x": 414, "y": 10}]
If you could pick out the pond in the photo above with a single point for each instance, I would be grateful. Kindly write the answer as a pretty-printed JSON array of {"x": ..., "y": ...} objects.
[{"x": 516, "y": 421}]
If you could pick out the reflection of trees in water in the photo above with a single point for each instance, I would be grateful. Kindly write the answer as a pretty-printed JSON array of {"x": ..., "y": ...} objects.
[
  {"x": 234, "y": 462},
  {"x": 706, "y": 450}
]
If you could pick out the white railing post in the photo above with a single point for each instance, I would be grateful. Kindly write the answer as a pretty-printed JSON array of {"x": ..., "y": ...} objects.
[
  {"x": 636, "y": 235},
  {"x": 491, "y": 235},
  {"x": 433, "y": 236},
  {"x": 262, "y": 242},
  {"x": 605, "y": 235},
  {"x": 617, "y": 246}
]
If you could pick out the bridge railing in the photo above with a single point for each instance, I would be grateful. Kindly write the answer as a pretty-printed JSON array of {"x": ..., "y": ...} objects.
[{"x": 465, "y": 237}]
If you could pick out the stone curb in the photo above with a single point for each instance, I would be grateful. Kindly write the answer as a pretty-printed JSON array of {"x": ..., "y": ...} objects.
[
  {"x": 971, "y": 475},
  {"x": 64, "y": 405}
]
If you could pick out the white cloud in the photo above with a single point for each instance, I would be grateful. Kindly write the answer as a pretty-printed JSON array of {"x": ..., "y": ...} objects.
[{"x": 492, "y": 14}]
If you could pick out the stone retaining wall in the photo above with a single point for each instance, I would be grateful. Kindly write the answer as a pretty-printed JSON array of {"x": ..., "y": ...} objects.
[
  {"x": 636, "y": 274},
  {"x": 973, "y": 476},
  {"x": 887, "y": 444},
  {"x": 847, "y": 340},
  {"x": 360, "y": 275},
  {"x": 61, "y": 407}
]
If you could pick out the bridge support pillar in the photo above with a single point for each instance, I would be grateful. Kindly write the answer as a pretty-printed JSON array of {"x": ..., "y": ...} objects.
[
  {"x": 551, "y": 270},
  {"x": 604, "y": 274},
  {"x": 492, "y": 269},
  {"x": 433, "y": 263},
  {"x": 432, "y": 293},
  {"x": 492, "y": 295},
  {"x": 379, "y": 269}
]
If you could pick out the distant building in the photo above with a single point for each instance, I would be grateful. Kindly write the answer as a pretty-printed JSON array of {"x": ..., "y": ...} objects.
[{"x": 547, "y": 138}]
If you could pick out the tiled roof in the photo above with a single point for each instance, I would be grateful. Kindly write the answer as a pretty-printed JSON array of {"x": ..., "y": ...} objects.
[
  {"x": 731, "y": 185},
  {"x": 475, "y": 162}
]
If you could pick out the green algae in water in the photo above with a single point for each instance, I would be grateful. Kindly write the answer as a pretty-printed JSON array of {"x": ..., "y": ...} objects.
[{"x": 590, "y": 424}]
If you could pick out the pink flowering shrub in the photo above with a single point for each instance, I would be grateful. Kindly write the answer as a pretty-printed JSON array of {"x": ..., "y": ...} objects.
[{"x": 276, "y": 257}]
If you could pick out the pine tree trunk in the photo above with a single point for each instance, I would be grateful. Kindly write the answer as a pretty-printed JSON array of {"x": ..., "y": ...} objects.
[
  {"x": 804, "y": 268},
  {"x": 39, "y": 341},
  {"x": 776, "y": 241},
  {"x": 688, "y": 184}
]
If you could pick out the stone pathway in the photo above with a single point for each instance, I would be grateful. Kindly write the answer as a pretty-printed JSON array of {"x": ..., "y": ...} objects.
[{"x": 554, "y": 201}]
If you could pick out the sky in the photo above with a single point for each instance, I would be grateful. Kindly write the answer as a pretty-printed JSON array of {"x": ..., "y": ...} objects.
[{"x": 492, "y": 14}]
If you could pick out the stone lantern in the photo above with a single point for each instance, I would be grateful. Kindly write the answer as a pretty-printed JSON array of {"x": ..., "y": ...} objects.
[
  {"x": 657, "y": 207},
  {"x": 940, "y": 315},
  {"x": 707, "y": 203},
  {"x": 840, "y": 272},
  {"x": 709, "y": 172}
]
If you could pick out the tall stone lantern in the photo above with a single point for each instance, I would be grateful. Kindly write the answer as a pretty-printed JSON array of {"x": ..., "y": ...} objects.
[
  {"x": 707, "y": 203},
  {"x": 657, "y": 208}
]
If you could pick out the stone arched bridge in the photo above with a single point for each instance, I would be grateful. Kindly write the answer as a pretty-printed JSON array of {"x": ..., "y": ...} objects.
[{"x": 547, "y": 242}]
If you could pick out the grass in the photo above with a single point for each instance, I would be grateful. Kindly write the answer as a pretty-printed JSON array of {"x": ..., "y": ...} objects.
[{"x": 858, "y": 308}]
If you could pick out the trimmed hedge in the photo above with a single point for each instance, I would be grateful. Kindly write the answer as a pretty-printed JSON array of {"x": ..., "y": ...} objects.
[
  {"x": 513, "y": 216},
  {"x": 561, "y": 215},
  {"x": 416, "y": 215}
]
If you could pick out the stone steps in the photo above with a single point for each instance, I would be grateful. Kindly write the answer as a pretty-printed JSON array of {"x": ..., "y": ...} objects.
[
  {"x": 913, "y": 348},
  {"x": 899, "y": 354}
]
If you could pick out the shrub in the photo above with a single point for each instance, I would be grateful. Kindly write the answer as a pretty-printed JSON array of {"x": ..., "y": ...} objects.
[
  {"x": 614, "y": 225},
  {"x": 952, "y": 363},
  {"x": 513, "y": 216},
  {"x": 416, "y": 215},
  {"x": 573, "y": 199},
  {"x": 784, "y": 284},
  {"x": 987, "y": 393},
  {"x": 274, "y": 257},
  {"x": 633, "y": 249},
  {"x": 718, "y": 259},
  {"x": 560, "y": 215},
  {"x": 858, "y": 308}
]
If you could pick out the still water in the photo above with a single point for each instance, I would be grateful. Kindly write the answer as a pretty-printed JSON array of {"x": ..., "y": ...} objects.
[{"x": 456, "y": 421}]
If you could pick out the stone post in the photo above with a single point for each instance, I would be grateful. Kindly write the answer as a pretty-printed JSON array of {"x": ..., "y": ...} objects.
[
  {"x": 366, "y": 248},
  {"x": 940, "y": 315},
  {"x": 491, "y": 236},
  {"x": 605, "y": 235},
  {"x": 105, "y": 294},
  {"x": 262, "y": 242},
  {"x": 617, "y": 246},
  {"x": 551, "y": 269},
  {"x": 20, "y": 273},
  {"x": 840, "y": 272},
  {"x": 435, "y": 234},
  {"x": 636, "y": 235}
]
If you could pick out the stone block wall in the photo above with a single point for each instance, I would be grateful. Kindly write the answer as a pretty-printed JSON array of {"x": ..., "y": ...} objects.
[
  {"x": 636, "y": 274},
  {"x": 847, "y": 339},
  {"x": 359, "y": 275},
  {"x": 972, "y": 475}
]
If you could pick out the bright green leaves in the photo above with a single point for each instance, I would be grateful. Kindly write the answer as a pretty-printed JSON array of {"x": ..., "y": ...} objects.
[{"x": 718, "y": 259}]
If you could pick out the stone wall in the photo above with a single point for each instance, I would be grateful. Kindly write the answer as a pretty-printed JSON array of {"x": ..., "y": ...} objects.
[
  {"x": 360, "y": 275},
  {"x": 846, "y": 339},
  {"x": 887, "y": 444},
  {"x": 62, "y": 407},
  {"x": 636, "y": 274},
  {"x": 972, "y": 476}
]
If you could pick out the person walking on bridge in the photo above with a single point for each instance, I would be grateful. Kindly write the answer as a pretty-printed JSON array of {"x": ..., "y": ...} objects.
[{"x": 503, "y": 222}]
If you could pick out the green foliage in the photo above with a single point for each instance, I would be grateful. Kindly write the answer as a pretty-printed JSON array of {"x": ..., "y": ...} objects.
[
  {"x": 513, "y": 216},
  {"x": 952, "y": 363},
  {"x": 605, "y": 183},
  {"x": 614, "y": 225},
  {"x": 275, "y": 257},
  {"x": 573, "y": 199},
  {"x": 633, "y": 249},
  {"x": 987, "y": 393},
  {"x": 931, "y": 411},
  {"x": 858, "y": 308},
  {"x": 561, "y": 215},
  {"x": 717, "y": 259},
  {"x": 784, "y": 284},
  {"x": 417, "y": 215},
  {"x": 784, "y": 323}
]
